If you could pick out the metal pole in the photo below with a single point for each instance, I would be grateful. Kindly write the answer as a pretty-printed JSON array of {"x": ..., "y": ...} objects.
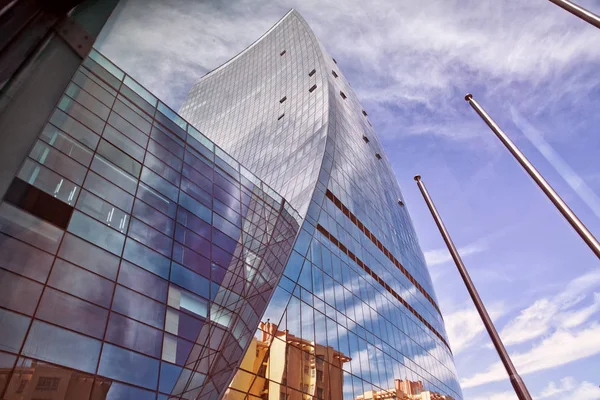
[
  {"x": 579, "y": 12},
  {"x": 564, "y": 209},
  {"x": 515, "y": 379}
]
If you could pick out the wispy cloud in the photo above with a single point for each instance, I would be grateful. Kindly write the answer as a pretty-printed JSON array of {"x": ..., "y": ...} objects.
[
  {"x": 465, "y": 326},
  {"x": 568, "y": 387},
  {"x": 442, "y": 256}
]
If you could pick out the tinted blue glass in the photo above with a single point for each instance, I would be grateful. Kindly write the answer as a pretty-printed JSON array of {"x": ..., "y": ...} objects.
[
  {"x": 18, "y": 293},
  {"x": 134, "y": 335},
  {"x": 129, "y": 367},
  {"x": 81, "y": 283},
  {"x": 13, "y": 328},
  {"x": 190, "y": 280},
  {"x": 144, "y": 257},
  {"x": 85, "y": 254},
  {"x": 143, "y": 281},
  {"x": 139, "y": 307}
]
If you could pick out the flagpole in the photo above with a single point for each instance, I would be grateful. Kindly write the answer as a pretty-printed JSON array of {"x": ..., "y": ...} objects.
[
  {"x": 559, "y": 203},
  {"x": 579, "y": 12},
  {"x": 515, "y": 379}
]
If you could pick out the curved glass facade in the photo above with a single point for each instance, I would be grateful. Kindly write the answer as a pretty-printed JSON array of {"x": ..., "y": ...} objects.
[{"x": 355, "y": 315}]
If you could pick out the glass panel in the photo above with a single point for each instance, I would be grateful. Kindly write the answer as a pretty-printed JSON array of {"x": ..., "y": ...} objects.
[
  {"x": 18, "y": 293},
  {"x": 200, "y": 165},
  {"x": 137, "y": 100},
  {"x": 183, "y": 300},
  {"x": 120, "y": 159},
  {"x": 88, "y": 256},
  {"x": 107, "y": 65},
  {"x": 91, "y": 84},
  {"x": 104, "y": 74},
  {"x": 195, "y": 207},
  {"x": 165, "y": 155},
  {"x": 48, "y": 181},
  {"x": 135, "y": 107},
  {"x": 172, "y": 115},
  {"x": 129, "y": 367},
  {"x": 226, "y": 227},
  {"x": 168, "y": 141},
  {"x": 192, "y": 240},
  {"x": 176, "y": 350},
  {"x": 121, "y": 391},
  {"x": 196, "y": 134},
  {"x": 23, "y": 259},
  {"x": 29, "y": 229},
  {"x": 103, "y": 211},
  {"x": 194, "y": 223},
  {"x": 107, "y": 191},
  {"x": 124, "y": 143},
  {"x": 13, "y": 328},
  {"x": 87, "y": 100},
  {"x": 133, "y": 117},
  {"x": 70, "y": 312},
  {"x": 97, "y": 233},
  {"x": 79, "y": 282},
  {"x": 139, "y": 307},
  {"x": 150, "y": 237},
  {"x": 53, "y": 159},
  {"x": 190, "y": 280},
  {"x": 142, "y": 281},
  {"x": 81, "y": 114},
  {"x": 194, "y": 191},
  {"x": 133, "y": 335},
  {"x": 183, "y": 324},
  {"x": 64, "y": 143},
  {"x": 127, "y": 129},
  {"x": 75, "y": 129},
  {"x": 144, "y": 257},
  {"x": 157, "y": 200},
  {"x": 156, "y": 182},
  {"x": 191, "y": 260},
  {"x": 152, "y": 217},
  {"x": 56, "y": 345},
  {"x": 113, "y": 174},
  {"x": 162, "y": 169},
  {"x": 136, "y": 87}
]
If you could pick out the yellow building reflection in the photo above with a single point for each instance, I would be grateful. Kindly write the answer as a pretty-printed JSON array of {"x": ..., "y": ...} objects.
[
  {"x": 281, "y": 366},
  {"x": 403, "y": 390}
]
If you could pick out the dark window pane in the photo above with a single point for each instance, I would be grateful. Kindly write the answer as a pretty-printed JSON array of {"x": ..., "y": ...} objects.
[
  {"x": 12, "y": 331},
  {"x": 29, "y": 228},
  {"x": 198, "y": 194},
  {"x": 101, "y": 72},
  {"x": 24, "y": 259},
  {"x": 184, "y": 325},
  {"x": 138, "y": 100},
  {"x": 56, "y": 345},
  {"x": 162, "y": 169},
  {"x": 75, "y": 129},
  {"x": 157, "y": 200},
  {"x": 97, "y": 233},
  {"x": 66, "y": 144},
  {"x": 226, "y": 212},
  {"x": 113, "y": 174},
  {"x": 133, "y": 117},
  {"x": 164, "y": 155},
  {"x": 193, "y": 241},
  {"x": 226, "y": 227},
  {"x": 94, "y": 86},
  {"x": 193, "y": 223},
  {"x": 124, "y": 143},
  {"x": 133, "y": 335},
  {"x": 107, "y": 191},
  {"x": 18, "y": 293},
  {"x": 102, "y": 211},
  {"x": 129, "y": 367},
  {"x": 168, "y": 141},
  {"x": 49, "y": 181},
  {"x": 152, "y": 217},
  {"x": 120, "y": 159},
  {"x": 81, "y": 114},
  {"x": 148, "y": 259},
  {"x": 89, "y": 256},
  {"x": 158, "y": 183},
  {"x": 221, "y": 257},
  {"x": 138, "y": 307},
  {"x": 224, "y": 241},
  {"x": 70, "y": 312},
  {"x": 190, "y": 280},
  {"x": 227, "y": 199},
  {"x": 150, "y": 237},
  {"x": 175, "y": 349},
  {"x": 205, "y": 168},
  {"x": 143, "y": 281},
  {"x": 87, "y": 100},
  {"x": 191, "y": 260},
  {"x": 195, "y": 207},
  {"x": 127, "y": 129},
  {"x": 79, "y": 282}
]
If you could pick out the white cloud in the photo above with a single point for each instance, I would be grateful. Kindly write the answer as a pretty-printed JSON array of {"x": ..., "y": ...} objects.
[
  {"x": 560, "y": 348},
  {"x": 464, "y": 326},
  {"x": 568, "y": 387},
  {"x": 557, "y": 312},
  {"x": 508, "y": 395},
  {"x": 442, "y": 256}
]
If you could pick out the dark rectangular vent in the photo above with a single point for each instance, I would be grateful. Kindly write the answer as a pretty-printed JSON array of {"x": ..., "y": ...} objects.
[
  {"x": 364, "y": 113},
  {"x": 38, "y": 203},
  {"x": 343, "y": 95},
  {"x": 378, "y": 156},
  {"x": 284, "y": 98},
  {"x": 282, "y": 53},
  {"x": 312, "y": 88},
  {"x": 311, "y": 73},
  {"x": 366, "y": 139},
  {"x": 281, "y": 116},
  {"x": 334, "y": 74}
]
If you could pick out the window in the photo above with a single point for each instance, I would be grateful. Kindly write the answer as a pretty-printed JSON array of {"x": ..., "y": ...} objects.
[
  {"x": 118, "y": 363},
  {"x": 282, "y": 53},
  {"x": 366, "y": 139},
  {"x": 284, "y": 98},
  {"x": 334, "y": 74},
  {"x": 311, "y": 73},
  {"x": 378, "y": 156},
  {"x": 364, "y": 113},
  {"x": 343, "y": 95},
  {"x": 281, "y": 116},
  {"x": 319, "y": 376},
  {"x": 400, "y": 203},
  {"x": 312, "y": 88},
  {"x": 320, "y": 393}
]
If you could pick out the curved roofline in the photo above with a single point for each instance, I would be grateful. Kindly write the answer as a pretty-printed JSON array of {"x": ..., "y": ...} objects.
[{"x": 226, "y": 63}]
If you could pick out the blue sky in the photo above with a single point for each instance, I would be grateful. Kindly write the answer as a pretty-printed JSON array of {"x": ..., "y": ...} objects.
[{"x": 532, "y": 66}]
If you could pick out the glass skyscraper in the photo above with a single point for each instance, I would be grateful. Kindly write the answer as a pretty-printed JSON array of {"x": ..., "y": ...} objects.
[
  {"x": 356, "y": 281},
  {"x": 253, "y": 246}
]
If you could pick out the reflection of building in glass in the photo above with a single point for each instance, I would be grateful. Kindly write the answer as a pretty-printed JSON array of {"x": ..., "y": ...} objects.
[
  {"x": 356, "y": 280},
  {"x": 40, "y": 381},
  {"x": 404, "y": 390},
  {"x": 281, "y": 365}
]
